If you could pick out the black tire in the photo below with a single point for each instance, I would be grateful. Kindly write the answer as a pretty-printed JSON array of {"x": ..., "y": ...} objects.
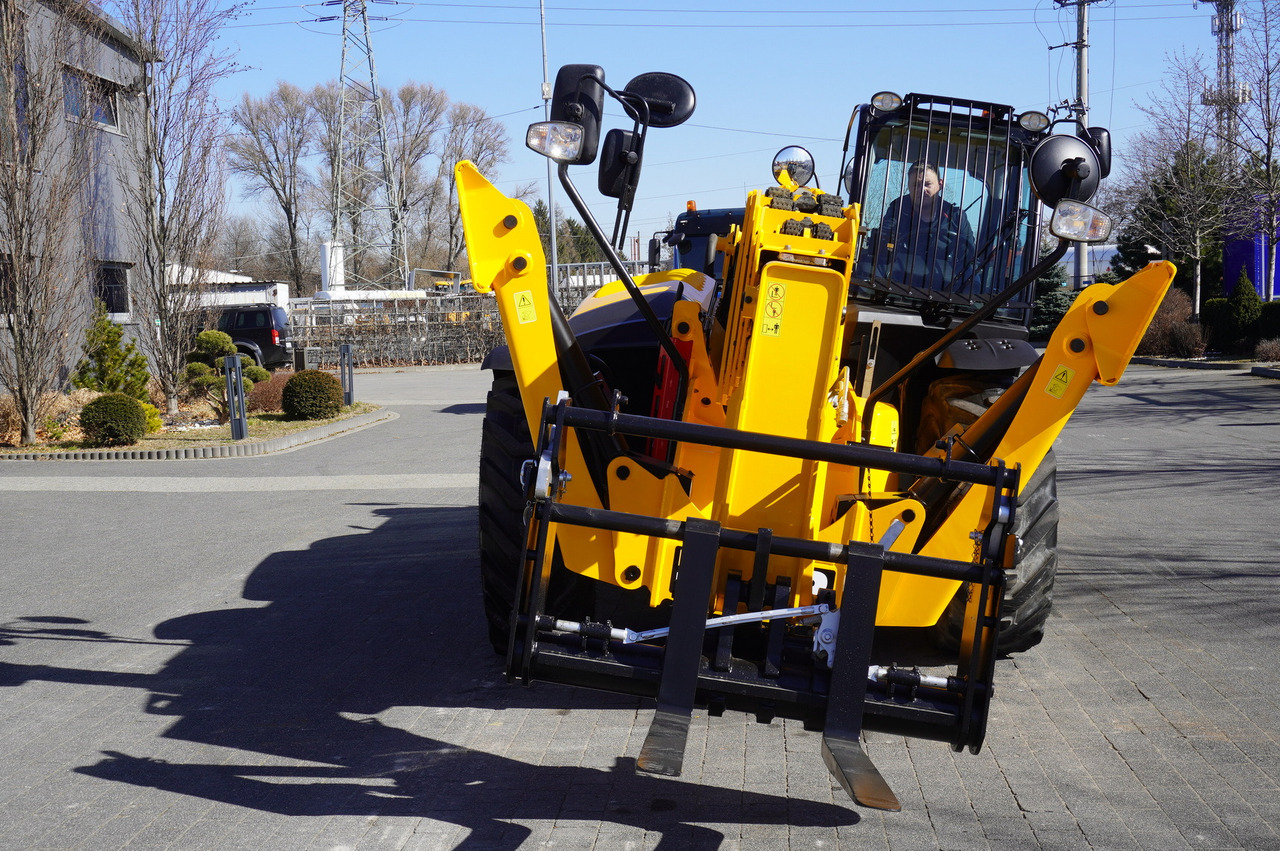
[
  {"x": 505, "y": 444},
  {"x": 1028, "y": 594}
]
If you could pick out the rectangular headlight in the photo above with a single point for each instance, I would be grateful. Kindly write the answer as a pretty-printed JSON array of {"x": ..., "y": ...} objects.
[
  {"x": 1079, "y": 222},
  {"x": 559, "y": 140}
]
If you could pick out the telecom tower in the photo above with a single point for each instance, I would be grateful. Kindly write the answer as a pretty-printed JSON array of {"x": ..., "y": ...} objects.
[
  {"x": 1228, "y": 95},
  {"x": 368, "y": 212}
]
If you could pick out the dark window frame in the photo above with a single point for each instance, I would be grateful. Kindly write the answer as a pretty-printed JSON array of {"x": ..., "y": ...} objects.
[
  {"x": 89, "y": 98},
  {"x": 113, "y": 294}
]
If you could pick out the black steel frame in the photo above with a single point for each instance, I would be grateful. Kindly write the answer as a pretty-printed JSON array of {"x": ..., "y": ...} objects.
[{"x": 695, "y": 666}]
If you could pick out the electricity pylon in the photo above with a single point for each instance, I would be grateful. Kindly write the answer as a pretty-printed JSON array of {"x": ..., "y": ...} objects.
[{"x": 368, "y": 210}]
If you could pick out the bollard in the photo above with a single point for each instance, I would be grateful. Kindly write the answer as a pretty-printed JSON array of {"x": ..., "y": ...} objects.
[
  {"x": 347, "y": 371},
  {"x": 235, "y": 397}
]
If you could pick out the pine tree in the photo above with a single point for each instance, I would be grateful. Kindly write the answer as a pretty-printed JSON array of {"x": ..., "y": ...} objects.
[{"x": 108, "y": 366}]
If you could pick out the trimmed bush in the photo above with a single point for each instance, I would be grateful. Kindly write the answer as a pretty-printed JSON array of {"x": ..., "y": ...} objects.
[
  {"x": 152, "y": 413},
  {"x": 113, "y": 419},
  {"x": 1268, "y": 326},
  {"x": 265, "y": 396},
  {"x": 311, "y": 395},
  {"x": 254, "y": 373},
  {"x": 211, "y": 347},
  {"x": 1244, "y": 309},
  {"x": 1214, "y": 323}
]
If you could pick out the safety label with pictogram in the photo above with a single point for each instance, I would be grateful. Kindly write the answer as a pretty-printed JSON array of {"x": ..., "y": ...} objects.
[
  {"x": 771, "y": 311},
  {"x": 1059, "y": 381},
  {"x": 524, "y": 307}
]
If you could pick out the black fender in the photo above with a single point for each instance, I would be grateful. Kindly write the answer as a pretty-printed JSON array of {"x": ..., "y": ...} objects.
[
  {"x": 250, "y": 348},
  {"x": 987, "y": 354},
  {"x": 615, "y": 323}
]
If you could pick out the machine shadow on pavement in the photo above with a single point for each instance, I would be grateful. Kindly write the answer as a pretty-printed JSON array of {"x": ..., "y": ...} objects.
[{"x": 360, "y": 624}]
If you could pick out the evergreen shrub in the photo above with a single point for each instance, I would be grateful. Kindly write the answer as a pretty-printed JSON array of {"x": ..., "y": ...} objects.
[
  {"x": 113, "y": 419},
  {"x": 107, "y": 365},
  {"x": 152, "y": 414},
  {"x": 254, "y": 373},
  {"x": 311, "y": 395}
]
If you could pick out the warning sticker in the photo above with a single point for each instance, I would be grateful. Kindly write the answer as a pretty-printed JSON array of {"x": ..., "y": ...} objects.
[
  {"x": 771, "y": 310},
  {"x": 524, "y": 307},
  {"x": 1059, "y": 381}
]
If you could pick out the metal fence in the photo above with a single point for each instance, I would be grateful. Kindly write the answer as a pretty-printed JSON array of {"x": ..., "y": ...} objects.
[
  {"x": 398, "y": 332},
  {"x": 431, "y": 329}
]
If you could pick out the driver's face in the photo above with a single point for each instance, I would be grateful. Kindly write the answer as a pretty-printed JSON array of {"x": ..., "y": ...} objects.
[{"x": 924, "y": 184}]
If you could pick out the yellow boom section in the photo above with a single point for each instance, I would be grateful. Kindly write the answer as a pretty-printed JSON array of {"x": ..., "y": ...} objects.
[{"x": 1094, "y": 341}]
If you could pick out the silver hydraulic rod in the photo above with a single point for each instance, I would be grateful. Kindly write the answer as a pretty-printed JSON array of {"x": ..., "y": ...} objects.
[{"x": 630, "y": 636}]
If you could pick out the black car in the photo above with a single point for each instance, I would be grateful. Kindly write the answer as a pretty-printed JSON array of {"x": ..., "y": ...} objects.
[{"x": 260, "y": 331}]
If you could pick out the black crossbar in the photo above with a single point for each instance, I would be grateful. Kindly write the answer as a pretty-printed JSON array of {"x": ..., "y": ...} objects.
[
  {"x": 852, "y": 454},
  {"x": 657, "y": 527}
]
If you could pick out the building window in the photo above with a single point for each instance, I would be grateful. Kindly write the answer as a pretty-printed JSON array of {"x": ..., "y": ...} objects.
[
  {"x": 111, "y": 287},
  {"x": 90, "y": 98}
]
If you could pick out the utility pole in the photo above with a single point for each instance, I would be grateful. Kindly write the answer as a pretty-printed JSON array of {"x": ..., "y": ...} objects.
[
  {"x": 367, "y": 208},
  {"x": 551, "y": 181},
  {"x": 1083, "y": 274}
]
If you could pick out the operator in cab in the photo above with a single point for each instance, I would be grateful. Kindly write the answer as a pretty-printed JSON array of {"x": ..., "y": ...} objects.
[{"x": 924, "y": 241}]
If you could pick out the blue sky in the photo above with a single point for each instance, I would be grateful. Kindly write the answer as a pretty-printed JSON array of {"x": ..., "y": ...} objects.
[{"x": 767, "y": 74}]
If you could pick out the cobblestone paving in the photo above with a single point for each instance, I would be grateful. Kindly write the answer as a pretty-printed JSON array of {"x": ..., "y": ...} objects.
[{"x": 297, "y": 667}]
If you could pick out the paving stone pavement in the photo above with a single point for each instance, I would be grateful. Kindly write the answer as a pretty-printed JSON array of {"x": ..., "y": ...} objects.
[{"x": 299, "y": 665}]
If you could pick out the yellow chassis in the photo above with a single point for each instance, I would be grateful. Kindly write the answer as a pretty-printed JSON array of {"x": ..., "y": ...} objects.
[{"x": 775, "y": 369}]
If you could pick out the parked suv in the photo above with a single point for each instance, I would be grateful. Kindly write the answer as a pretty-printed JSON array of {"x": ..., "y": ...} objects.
[{"x": 260, "y": 331}]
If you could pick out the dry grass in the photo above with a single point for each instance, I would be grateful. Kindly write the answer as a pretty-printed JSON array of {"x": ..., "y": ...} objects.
[
  {"x": 262, "y": 427},
  {"x": 58, "y": 417}
]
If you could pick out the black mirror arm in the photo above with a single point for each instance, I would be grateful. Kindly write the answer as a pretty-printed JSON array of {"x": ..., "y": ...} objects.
[
  {"x": 957, "y": 332},
  {"x": 651, "y": 319}
]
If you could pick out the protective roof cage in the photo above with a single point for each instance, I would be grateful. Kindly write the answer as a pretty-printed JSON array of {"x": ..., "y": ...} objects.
[
  {"x": 979, "y": 237},
  {"x": 754, "y": 662}
]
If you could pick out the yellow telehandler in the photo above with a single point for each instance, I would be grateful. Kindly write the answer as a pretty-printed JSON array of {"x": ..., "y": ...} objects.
[{"x": 714, "y": 482}]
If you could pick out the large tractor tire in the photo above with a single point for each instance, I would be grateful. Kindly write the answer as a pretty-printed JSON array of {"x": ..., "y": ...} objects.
[
  {"x": 1028, "y": 592},
  {"x": 505, "y": 444},
  {"x": 1028, "y": 596}
]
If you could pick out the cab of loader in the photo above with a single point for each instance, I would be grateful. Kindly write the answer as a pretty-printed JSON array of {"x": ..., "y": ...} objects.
[{"x": 914, "y": 280}]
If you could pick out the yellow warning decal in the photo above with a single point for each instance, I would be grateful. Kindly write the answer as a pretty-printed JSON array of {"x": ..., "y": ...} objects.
[
  {"x": 771, "y": 310},
  {"x": 524, "y": 307},
  {"x": 1059, "y": 381}
]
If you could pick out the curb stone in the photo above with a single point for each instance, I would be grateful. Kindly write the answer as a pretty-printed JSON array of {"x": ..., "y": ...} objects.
[
  {"x": 1260, "y": 371},
  {"x": 227, "y": 450}
]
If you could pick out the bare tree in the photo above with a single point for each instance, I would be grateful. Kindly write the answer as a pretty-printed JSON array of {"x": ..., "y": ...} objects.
[
  {"x": 176, "y": 199},
  {"x": 1258, "y": 142},
  {"x": 277, "y": 134},
  {"x": 474, "y": 136},
  {"x": 240, "y": 246},
  {"x": 415, "y": 118},
  {"x": 1179, "y": 185},
  {"x": 46, "y": 192}
]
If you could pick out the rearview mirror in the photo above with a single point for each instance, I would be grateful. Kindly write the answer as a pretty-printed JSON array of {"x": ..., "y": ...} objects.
[
  {"x": 619, "y": 165},
  {"x": 579, "y": 99},
  {"x": 797, "y": 163},
  {"x": 1064, "y": 167},
  {"x": 670, "y": 98}
]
